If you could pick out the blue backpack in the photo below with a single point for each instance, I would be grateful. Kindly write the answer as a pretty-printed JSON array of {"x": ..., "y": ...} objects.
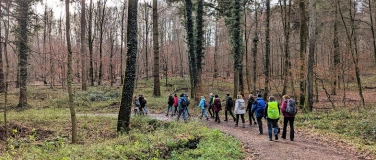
[{"x": 260, "y": 106}]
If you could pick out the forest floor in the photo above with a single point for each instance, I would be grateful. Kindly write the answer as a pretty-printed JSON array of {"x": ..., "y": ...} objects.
[{"x": 305, "y": 145}]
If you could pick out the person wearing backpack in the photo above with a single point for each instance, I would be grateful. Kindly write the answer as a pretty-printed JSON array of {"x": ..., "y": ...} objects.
[
  {"x": 289, "y": 111},
  {"x": 229, "y": 104},
  {"x": 201, "y": 105},
  {"x": 142, "y": 101},
  {"x": 251, "y": 117},
  {"x": 176, "y": 99},
  {"x": 170, "y": 102},
  {"x": 272, "y": 113},
  {"x": 211, "y": 105},
  {"x": 182, "y": 105},
  {"x": 239, "y": 109},
  {"x": 217, "y": 107},
  {"x": 258, "y": 108},
  {"x": 136, "y": 105}
]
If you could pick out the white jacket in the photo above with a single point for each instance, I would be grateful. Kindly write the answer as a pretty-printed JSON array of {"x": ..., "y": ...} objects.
[{"x": 239, "y": 106}]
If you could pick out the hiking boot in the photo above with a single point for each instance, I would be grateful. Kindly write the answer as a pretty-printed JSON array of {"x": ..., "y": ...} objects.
[
  {"x": 207, "y": 118},
  {"x": 234, "y": 119},
  {"x": 243, "y": 125},
  {"x": 276, "y": 136},
  {"x": 270, "y": 139},
  {"x": 278, "y": 130},
  {"x": 255, "y": 123},
  {"x": 166, "y": 115},
  {"x": 225, "y": 120},
  {"x": 219, "y": 121}
]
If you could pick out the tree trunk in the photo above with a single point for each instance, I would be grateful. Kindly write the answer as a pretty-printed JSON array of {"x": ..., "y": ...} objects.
[
  {"x": 146, "y": 41},
  {"x": 83, "y": 46},
  {"x": 2, "y": 78},
  {"x": 7, "y": 25},
  {"x": 199, "y": 46},
  {"x": 52, "y": 80},
  {"x": 302, "y": 51},
  {"x": 122, "y": 43},
  {"x": 101, "y": 32},
  {"x": 267, "y": 49},
  {"x": 287, "y": 63},
  {"x": 69, "y": 75},
  {"x": 254, "y": 49},
  {"x": 23, "y": 49},
  {"x": 190, "y": 44},
  {"x": 311, "y": 55},
  {"x": 336, "y": 54},
  {"x": 216, "y": 46},
  {"x": 90, "y": 42},
  {"x": 130, "y": 73},
  {"x": 372, "y": 30},
  {"x": 157, "y": 84}
]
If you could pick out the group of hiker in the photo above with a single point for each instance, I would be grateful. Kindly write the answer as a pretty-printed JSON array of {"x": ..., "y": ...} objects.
[{"x": 256, "y": 107}]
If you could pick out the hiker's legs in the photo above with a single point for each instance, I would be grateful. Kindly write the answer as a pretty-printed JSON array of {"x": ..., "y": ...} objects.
[
  {"x": 168, "y": 109},
  {"x": 217, "y": 117},
  {"x": 180, "y": 113},
  {"x": 275, "y": 126},
  {"x": 270, "y": 126},
  {"x": 285, "y": 120},
  {"x": 226, "y": 115},
  {"x": 211, "y": 112},
  {"x": 237, "y": 119},
  {"x": 184, "y": 113},
  {"x": 232, "y": 114},
  {"x": 242, "y": 117},
  {"x": 259, "y": 121},
  {"x": 291, "y": 121},
  {"x": 206, "y": 115},
  {"x": 187, "y": 111},
  {"x": 145, "y": 110},
  {"x": 176, "y": 110}
]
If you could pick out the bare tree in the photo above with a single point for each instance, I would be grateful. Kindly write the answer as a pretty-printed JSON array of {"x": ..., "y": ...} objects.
[
  {"x": 267, "y": 49},
  {"x": 90, "y": 42},
  {"x": 302, "y": 50},
  {"x": 83, "y": 46},
  {"x": 101, "y": 32},
  {"x": 311, "y": 55},
  {"x": 157, "y": 85},
  {"x": 69, "y": 75}
]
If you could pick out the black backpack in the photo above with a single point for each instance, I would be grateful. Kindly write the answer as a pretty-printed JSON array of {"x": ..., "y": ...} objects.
[
  {"x": 183, "y": 103},
  {"x": 291, "y": 107},
  {"x": 230, "y": 102},
  {"x": 218, "y": 104},
  {"x": 206, "y": 104}
]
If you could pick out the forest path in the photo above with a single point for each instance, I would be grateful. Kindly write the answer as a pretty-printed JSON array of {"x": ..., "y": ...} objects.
[{"x": 256, "y": 146}]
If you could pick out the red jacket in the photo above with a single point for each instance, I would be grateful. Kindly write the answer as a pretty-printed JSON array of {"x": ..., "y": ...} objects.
[
  {"x": 216, "y": 108},
  {"x": 283, "y": 108},
  {"x": 176, "y": 99}
]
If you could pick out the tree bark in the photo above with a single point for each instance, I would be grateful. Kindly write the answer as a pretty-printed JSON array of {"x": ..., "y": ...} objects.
[
  {"x": 311, "y": 56},
  {"x": 122, "y": 43},
  {"x": 267, "y": 49},
  {"x": 287, "y": 63},
  {"x": 372, "y": 30},
  {"x": 302, "y": 51},
  {"x": 190, "y": 44},
  {"x": 101, "y": 32},
  {"x": 69, "y": 75},
  {"x": 157, "y": 84},
  {"x": 130, "y": 73},
  {"x": 83, "y": 46},
  {"x": 336, "y": 54},
  {"x": 255, "y": 48},
  {"x": 199, "y": 45},
  {"x": 2, "y": 78},
  {"x": 90, "y": 42}
]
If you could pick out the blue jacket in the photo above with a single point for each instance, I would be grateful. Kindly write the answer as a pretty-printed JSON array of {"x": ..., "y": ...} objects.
[
  {"x": 180, "y": 99},
  {"x": 258, "y": 102},
  {"x": 201, "y": 105}
]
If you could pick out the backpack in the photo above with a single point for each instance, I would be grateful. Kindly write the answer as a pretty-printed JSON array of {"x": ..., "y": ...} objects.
[
  {"x": 260, "y": 106},
  {"x": 170, "y": 100},
  {"x": 218, "y": 104},
  {"x": 206, "y": 104},
  {"x": 137, "y": 103},
  {"x": 230, "y": 102},
  {"x": 183, "y": 103},
  {"x": 241, "y": 105},
  {"x": 273, "y": 112},
  {"x": 143, "y": 102},
  {"x": 291, "y": 107}
]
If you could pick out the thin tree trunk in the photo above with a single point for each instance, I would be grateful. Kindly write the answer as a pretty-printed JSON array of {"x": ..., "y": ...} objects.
[
  {"x": 199, "y": 46},
  {"x": 267, "y": 49},
  {"x": 7, "y": 25},
  {"x": 122, "y": 44},
  {"x": 146, "y": 41},
  {"x": 190, "y": 44},
  {"x": 302, "y": 51},
  {"x": 216, "y": 46},
  {"x": 287, "y": 63},
  {"x": 51, "y": 53},
  {"x": 130, "y": 73},
  {"x": 336, "y": 54},
  {"x": 372, "y": 30},
  {"x": 157, "y": 84},
  {"x": 90, "y": 42},
  {"x": 311, "y": 55},
  {"x": 246, "y": 38},
  {"x": 101, "y": 32},
  {"x": 2, "y": 78},
  {"x": 83, "y": 46},
  {"x": 254, "y": 49},
  {"x": 69, "y": 75}
]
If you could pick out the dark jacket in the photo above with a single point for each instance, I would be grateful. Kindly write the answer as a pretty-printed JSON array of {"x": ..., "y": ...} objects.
[
  {"x": 170, "y": 100},
  {"x": 250, "y": 103},
  {"x": 216, "y": 108},
  {"x": 142, "y": 101},
  {"x": 228, "y": 105}
]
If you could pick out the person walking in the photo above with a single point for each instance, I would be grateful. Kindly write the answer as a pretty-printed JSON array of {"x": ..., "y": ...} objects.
[
  {"x": 272, "y": 113},
  {"x": 289, "y": 111},
  {"x": 229, "y": 104},
  {"x": 201, "y": 105},
  {"x": 211, "y": 105},
  {"x": 136, "y": 105},
  {"x": 182, "y": 105},
  {"x": 239, "y": 109},
  {"x": 251, "y": 116},
  {"x": 170, "y": 102},
  {"x": 176, "y": 100},
  {"x": 258, "y": 108},
  {"x": 217, "y": 107}
]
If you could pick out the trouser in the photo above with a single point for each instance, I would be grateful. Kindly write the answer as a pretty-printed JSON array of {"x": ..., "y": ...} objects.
[
  {"x": 186, "y": 109},
  {"x": 259, "y": 122},
  {"x": 289, "y": 120},
  {"x": 217, "y": 117},
  {"x": 232, "y": 115},
  {"x": 204, "y": 113},
  {"x": 272, "y": 127},
  {"x": 251, "y": 116},
  {"x": 211, "y": 111},
  {"x": 182, "y": 112},
  {"x": 176, "y": 110},
  {"x": 169, "y": 108},
  {"x": 237, "y": 118}
]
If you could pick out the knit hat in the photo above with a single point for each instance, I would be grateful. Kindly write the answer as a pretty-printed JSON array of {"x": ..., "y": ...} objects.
[{"x": 259, "y": 95}]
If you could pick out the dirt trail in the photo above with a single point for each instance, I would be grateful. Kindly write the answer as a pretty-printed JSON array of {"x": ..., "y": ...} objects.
[{"x": 259, "y": 147}]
